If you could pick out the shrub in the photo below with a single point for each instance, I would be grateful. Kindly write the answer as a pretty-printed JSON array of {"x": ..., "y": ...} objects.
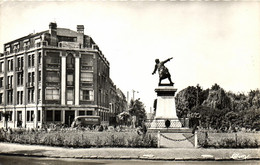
[
  {"x": 79, "y": 138},
  {"x": 228, "y": 140}
]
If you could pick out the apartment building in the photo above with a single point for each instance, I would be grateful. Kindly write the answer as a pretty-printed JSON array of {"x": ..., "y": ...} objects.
[{"x": 52, "y": 76}]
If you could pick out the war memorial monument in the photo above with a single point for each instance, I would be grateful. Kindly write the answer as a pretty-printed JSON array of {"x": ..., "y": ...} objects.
[{"x": 165, "y": 119}]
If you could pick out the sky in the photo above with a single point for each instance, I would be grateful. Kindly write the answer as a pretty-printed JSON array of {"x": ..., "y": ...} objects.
[{"x": 210, "y": 42}]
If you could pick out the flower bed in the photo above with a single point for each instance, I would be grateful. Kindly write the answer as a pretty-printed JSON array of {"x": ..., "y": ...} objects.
[
  {"x": 79, "y": 138},
  {"x": 229, "y": 140}
]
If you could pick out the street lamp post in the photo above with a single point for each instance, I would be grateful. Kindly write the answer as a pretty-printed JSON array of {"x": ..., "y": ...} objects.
[{"x": 134, "y": 94}]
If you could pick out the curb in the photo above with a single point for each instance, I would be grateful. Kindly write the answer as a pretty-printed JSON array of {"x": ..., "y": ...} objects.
[{"x": 128, "y": 157}]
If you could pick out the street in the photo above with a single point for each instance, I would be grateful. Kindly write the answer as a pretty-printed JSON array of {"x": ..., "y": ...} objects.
[{"x": 11, "y": 160}]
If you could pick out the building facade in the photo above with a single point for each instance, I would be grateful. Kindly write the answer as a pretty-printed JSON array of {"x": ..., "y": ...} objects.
[{"x": 52, "y": 76}]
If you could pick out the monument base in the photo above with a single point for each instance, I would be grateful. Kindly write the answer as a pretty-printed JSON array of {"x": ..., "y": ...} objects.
[
  {"x": 165, "y": 116},
  {"x": 169, "y": 130},
  {"x": 166, "y": 123}
]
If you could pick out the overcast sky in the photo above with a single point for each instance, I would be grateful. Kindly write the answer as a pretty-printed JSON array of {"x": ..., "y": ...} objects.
[{"x": 210, "y": 42}]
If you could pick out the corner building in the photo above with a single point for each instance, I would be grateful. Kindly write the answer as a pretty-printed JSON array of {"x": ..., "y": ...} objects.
[{"x": 52, "y": 76}]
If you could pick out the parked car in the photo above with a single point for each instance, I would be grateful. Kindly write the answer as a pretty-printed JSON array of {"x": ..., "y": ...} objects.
[{"x": 86, "y": 121}]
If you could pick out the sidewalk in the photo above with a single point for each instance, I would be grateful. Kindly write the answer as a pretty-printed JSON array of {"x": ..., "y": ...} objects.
[{"x": 177, "y": 154}]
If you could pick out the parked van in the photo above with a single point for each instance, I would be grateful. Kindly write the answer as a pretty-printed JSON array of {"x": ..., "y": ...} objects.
[{"x": 85, "y": 121}]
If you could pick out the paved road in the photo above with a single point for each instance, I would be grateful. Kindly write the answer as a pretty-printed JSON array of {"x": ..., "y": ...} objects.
[
  {"x": 11, "y": 160},
  {"x": 176, "y": 154}
]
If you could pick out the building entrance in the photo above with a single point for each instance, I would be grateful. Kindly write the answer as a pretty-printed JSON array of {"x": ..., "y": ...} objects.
[
  {"x": 19, "y": 119},
  {"x": 69, "y": 117}
]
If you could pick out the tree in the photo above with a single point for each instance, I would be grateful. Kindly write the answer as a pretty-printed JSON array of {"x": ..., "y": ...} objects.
[
  {"x": 186, "y": 99},
  {"x": 123, "y": 117},
  {"x": 202, "y": 94},
  {"x": 215, "y": 87},
  {"x": 231, "y": 118},
  {"x": 254, "y": 98},
  {"x": 218, "y": 109},
  {"x": 251, "y": 118},
  {"x": 136, "y": 108},
  {"x": 217, "y": 99},
  {"x": 189, "y": 98}
]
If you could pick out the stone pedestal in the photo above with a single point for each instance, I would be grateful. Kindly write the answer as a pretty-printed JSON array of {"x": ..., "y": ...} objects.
[{"x": 165, "y": 116}]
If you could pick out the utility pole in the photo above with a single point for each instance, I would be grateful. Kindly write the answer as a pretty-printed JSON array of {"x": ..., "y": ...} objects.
[
  {"x": 134, "y": 94},
  {"x": 197, "y": 99}
]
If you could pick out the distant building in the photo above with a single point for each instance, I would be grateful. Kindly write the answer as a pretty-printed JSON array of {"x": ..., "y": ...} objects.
[{"x": 53, "y": 76}]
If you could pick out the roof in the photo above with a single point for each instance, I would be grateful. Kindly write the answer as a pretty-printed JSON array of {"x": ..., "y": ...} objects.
[
  {"x": 66, "y": 32},
  {"x": 28, "y": 36}
]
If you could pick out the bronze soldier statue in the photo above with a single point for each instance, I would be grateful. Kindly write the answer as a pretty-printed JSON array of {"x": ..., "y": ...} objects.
[{"x": 162, "y": 70}]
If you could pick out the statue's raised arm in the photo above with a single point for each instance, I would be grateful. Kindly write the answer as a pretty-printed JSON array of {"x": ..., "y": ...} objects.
[
  {"x": 163, "y": 71},
  {"x": 167, "y": 60}
]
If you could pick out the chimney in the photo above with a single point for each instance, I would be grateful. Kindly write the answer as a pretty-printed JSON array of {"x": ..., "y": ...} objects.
[
  {"x": 80, "y": 29},
  {"x": 53, "y": 33},
  {"x": 53, "y": 28}
]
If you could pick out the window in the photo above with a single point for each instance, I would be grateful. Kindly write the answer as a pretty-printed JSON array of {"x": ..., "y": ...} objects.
[
  {"x": 7, "y": 49},
  {"x": 9, "y": 97},
  {"x": 87, "y": 60},
  {"x": 16, "y": 47},
  {"x": 2, "y": 67},
  {"x": 39, "y": 115},
  {"x": 70, "y": 79},
  {"x": 52, "y": 76},
  {"x": 86, "y": 95},
  {"x": 81, "y": 113},
  {"x": 30, "y": 116},
  {"x": 10, "y": 65},
  {"x": 87, "y": 77},
  {"x": 32, "y": 62},
  {"x": 30, "y": 95},
  {"x": 89, "y": 112},
  {"x": 53, "y": 59},
  {"x": 49, "y": 115},
  {"x": 39, "y": 95},
  {"x": 29, "y": 60},
  {"x": 21, "y": 62},
  {"x": 27, "y": 44},
  {"x": 31, "y": 77},
  {"x": 10, "y": 116},
  {"x": 1, "y": 98},
  {"x": 33, "y": 73},
  {"x": 18, "y": 62},
  {"x": 70, "y": 59},
  {"x": 39, "y": 75},
  {"x": 70, "y": 94},
  {"x": 19, "y": 97},
  {"x": 39, "y": 57},
  {"x": 52, "y": 94},
  {"x": 1, "y": 82},
  {"x": 57, "y": 116},
  {"x": 9, "y": 81},
  {"x": 20, "y": 78}
]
